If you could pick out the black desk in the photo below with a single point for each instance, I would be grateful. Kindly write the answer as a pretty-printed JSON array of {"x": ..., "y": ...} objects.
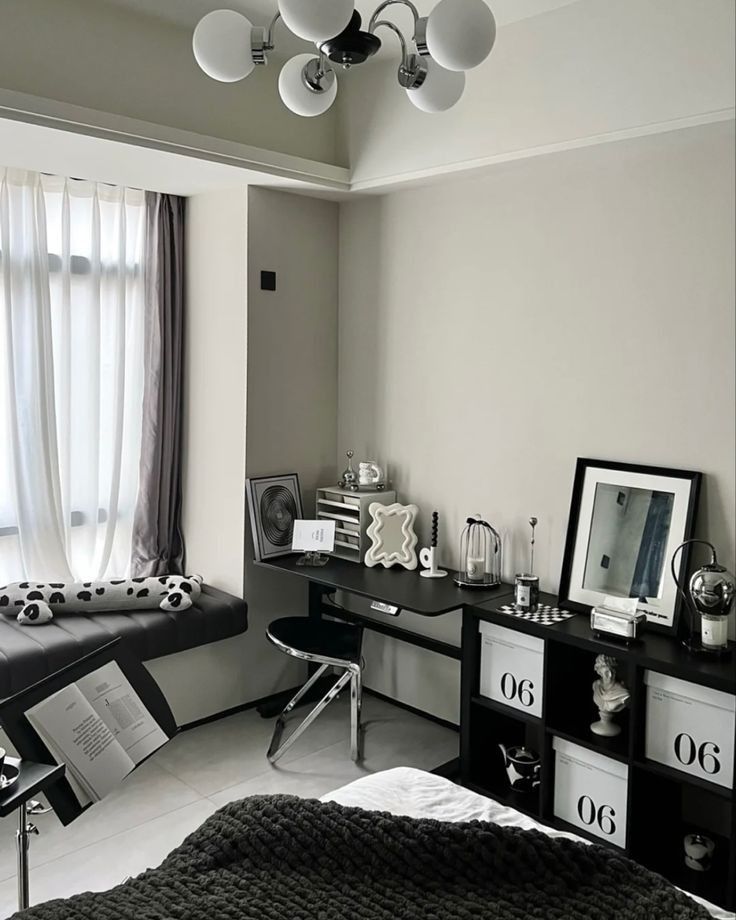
[{"x": 429, "y": 597}]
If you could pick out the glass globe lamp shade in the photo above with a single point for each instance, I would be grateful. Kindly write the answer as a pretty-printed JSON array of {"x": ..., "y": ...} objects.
[
  {"x": 316, "y": 20},
  {"x": 295, "y": 93},
  {"x": 440, "y": 90},
  {"x": 460, "y": 33},
  {"x": 221, "y": 45}
]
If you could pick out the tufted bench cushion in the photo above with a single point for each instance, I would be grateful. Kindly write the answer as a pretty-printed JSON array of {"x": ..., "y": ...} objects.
[{"x": 28, "y": 654}]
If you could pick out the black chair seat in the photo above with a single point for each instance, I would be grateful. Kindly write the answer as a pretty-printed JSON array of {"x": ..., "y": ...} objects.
[{"x": 318, "y": 637}]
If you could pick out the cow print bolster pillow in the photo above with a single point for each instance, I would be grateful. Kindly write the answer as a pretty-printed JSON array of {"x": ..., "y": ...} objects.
[{"x": 35, "y": 603}]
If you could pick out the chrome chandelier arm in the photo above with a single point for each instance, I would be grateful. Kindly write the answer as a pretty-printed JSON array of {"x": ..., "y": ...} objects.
[
  {"x": 386, "y": 3},
  {"x": 397, "y": 32},
  {"x": 261, "y": 41},
  {"x": 412, "y": 70}
]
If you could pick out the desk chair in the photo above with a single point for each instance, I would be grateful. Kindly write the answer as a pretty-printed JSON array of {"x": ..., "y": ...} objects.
[{"x": 330, "y": 645}]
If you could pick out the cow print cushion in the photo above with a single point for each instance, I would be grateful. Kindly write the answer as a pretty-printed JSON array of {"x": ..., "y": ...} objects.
[
  {"x": 35, "y": 614},
  {"x": 39, "y": 600}
]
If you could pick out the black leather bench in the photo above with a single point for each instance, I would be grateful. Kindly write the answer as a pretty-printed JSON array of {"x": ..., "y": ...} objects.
[{"x": 30, "y": 653}]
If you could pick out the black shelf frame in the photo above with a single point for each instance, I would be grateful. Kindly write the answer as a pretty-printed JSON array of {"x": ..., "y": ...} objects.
[{"x": 572, "y": 645}]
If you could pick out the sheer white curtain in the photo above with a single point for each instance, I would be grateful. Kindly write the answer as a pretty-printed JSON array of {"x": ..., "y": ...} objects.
[{"x": 71, "y": 375}]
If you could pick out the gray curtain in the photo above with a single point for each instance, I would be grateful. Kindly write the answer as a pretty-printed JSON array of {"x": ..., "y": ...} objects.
[{"x": 158, "y": 545}]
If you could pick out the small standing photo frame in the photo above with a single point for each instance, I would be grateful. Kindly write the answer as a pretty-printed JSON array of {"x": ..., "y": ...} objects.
[
  {"x": 274, "y": 502},
  {"x": 311, "y": 537}
]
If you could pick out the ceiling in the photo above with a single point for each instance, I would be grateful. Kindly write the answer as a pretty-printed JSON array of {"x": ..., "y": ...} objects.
[{"x": 188, "y": 12}]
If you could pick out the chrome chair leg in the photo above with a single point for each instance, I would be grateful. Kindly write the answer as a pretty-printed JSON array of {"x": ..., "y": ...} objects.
[
  {"x": 356, "y": 704},
  {"x": 276, "y": 748}
]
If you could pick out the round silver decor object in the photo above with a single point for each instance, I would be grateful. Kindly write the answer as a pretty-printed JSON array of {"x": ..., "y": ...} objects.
[
  {"x": 349, "y": 478},
  {"x": 713, "y": 590}
]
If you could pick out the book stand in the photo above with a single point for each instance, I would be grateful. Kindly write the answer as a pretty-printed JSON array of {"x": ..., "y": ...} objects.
[{"x": 38, "y": 770}]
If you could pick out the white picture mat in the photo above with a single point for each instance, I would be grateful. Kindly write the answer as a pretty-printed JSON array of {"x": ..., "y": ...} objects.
[{"x": 660, "y": 610}]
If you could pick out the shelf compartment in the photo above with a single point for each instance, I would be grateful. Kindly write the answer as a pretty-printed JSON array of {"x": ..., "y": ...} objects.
[
  {"x": 352, "y": 531},
  {"x": 347, "y": 504},
  {"x": 491, "y": 728},
  {"x": 615, "y": 748},
  {"x": 683, "y": 779},
  {"x": 335, "y": 517},
  {"x": 505, "y": 710},
  {"x": 590, "y": 791},
  {"x": 570, "y": 707},
  {"x": 676, "y": 807}
]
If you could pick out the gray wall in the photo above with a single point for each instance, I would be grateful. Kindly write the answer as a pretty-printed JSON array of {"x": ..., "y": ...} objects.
[
  {"x": 261, "y": 372},
  {"x": 494, "y": 329},
  {"x": 292, "y": 365}
]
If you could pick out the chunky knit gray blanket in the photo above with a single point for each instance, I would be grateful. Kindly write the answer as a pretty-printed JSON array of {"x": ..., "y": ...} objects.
[{"x": 284, "y": 858}]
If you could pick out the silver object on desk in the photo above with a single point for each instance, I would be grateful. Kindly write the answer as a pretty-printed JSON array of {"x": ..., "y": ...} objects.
[
  {"x": 349, "y": 477},
  {"x": 617, "y": 623},
  {"x": 710, "y": 597}
]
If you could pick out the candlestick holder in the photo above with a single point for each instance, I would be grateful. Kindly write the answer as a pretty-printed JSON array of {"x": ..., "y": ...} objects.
[{"x": 428, "y": 556}]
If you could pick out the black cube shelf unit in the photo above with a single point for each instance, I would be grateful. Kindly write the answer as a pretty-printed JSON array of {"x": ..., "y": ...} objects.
[{"x": 646, "y": 805}]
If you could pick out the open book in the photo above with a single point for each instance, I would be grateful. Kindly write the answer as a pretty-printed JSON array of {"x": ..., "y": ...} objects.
[{"x": 99, "y": 727}]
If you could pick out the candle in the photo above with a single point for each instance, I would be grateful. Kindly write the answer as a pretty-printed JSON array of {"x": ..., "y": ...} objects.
[
  {"x": 714, "y": 631},
  {"x": 475, "y": 568}
]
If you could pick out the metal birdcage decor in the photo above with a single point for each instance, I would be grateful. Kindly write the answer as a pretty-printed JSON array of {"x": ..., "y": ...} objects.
[{"x": 480, "y": 555}]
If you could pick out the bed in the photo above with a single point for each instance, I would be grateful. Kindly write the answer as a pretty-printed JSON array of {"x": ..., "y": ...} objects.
[
  {"x": 399, "y": 845},
  {"x": 416, "y": 794}
]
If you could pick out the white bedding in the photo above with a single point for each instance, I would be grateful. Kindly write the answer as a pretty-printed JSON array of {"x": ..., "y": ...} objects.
[{"x": 406, "y": 791}]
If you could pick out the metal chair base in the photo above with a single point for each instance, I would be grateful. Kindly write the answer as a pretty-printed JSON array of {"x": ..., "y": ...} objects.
[{"x": 351, "y": 674}]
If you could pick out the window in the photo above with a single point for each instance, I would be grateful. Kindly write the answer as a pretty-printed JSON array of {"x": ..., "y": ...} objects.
[{"x": 72, "y": 314}]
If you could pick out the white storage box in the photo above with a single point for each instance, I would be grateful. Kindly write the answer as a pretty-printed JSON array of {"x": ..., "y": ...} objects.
[
  {"x": 591, "y": 791},
  {"x": 512, "y": 668},
  {"x": 690, "y": 728}
]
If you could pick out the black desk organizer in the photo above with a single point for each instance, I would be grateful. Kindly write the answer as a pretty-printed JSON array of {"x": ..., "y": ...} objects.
[
  {"x": 29, "y": 745},
  {"x": 662, "y": 804}
]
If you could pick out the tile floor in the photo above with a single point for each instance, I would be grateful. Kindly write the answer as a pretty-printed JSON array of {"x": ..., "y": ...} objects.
[{"x": 196, "y": 773}]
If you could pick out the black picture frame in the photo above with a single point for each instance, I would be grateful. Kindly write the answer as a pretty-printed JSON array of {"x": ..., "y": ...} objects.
[
  {"x": 270, "y": 539},
  {"x": 688, "y": 481}
]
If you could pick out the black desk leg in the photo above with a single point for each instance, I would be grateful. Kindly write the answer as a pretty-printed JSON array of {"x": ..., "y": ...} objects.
[{"x": 314, "y": 608}]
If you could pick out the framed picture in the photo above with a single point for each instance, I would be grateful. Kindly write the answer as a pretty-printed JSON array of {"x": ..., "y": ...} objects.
[
  {"x": 275, "y": 502},
  {"x": 625, "y": 523}
]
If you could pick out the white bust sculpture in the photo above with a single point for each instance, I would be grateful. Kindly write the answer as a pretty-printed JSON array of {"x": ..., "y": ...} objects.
[{"x": 609, "y": 695}]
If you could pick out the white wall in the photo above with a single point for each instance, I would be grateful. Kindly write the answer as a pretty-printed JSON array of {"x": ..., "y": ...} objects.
[
  {"x": 581, "y": 304},
  {"x": 567, "y": 77},
  {"x": 104, "y": 57}
]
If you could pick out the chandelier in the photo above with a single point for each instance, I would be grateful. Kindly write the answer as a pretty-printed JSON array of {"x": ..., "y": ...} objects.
[{"x": 456, "y": 36}]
